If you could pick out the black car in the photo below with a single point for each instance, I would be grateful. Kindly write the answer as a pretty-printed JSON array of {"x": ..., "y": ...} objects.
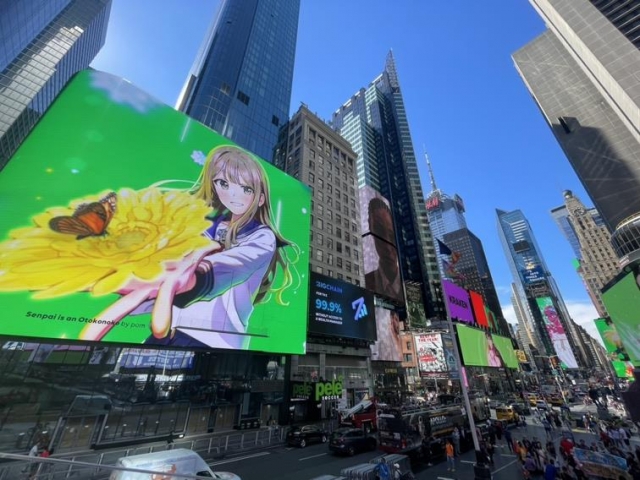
[
  {"x": 351, "y": 441},
  {"x": 304, "y": 435}
]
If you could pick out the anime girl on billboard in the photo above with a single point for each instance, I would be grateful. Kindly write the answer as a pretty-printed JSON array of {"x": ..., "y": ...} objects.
[
  {"x": 493, "y": 355},
  {"x": 206, "y": 300},
  {"x": 558, "y": 336}
]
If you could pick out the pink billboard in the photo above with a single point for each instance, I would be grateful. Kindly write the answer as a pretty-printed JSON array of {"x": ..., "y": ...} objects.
[{"x": 458, "y": 302}]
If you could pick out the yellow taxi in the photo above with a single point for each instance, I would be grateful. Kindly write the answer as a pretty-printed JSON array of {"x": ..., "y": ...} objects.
[
  {"x": 533, "y": 399},
  {"x": 556, "y": 400},
  {"x": 505, "y": 414}
]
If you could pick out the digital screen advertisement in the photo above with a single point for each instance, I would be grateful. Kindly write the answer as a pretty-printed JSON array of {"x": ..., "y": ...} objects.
[
  {"x": 458, "y": 300},
  {"x": 382, "y": 268},
  {"x": 340, "y": 309},
  {"x": 375, "y": 215},
  {"x": 479, "y": 309},
  {"x": 533, "y": 274},
  {"x": 126, "y": 221},
  {"x": 477, "y": 348},
  {"x": 611, "y": 339},
  {"x": 622, "y": 300},
  {"x": 388, "y": 347},
  {"x": 507, "y": 353},
  {"x": 416, "y": 316},
  {"x": 430, "y": 353},
  {"x": 449, "y": 355},
  {"x": 556, "y": 332},
  {"x": 162, "y": 360},
  {"x": 521, "y": 356}
]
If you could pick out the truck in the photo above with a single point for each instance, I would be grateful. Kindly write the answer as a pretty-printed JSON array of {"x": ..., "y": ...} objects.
[{"x": 362, "y": 415}]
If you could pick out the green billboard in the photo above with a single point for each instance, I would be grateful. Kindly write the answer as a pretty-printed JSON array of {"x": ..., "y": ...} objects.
[
  {"x": 611, "y": 339},
  {"x": 505, "y": 347},
  {"x": 478, "y": 348},
  {"x": 622, "y": 301},
  {"x": 126, "y": 221}
]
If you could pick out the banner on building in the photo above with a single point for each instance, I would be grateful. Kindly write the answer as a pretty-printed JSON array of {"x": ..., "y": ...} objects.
[
  {"x": 556, "y": 332},
  {"x": 430, "y": 353}
]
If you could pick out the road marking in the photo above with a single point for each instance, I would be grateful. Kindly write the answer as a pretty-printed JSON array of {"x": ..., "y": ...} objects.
[
  {"x": 289, "y": 448},
  {"x": 445, "y": 478},
  {"x": 504, "y": 466},
  {"x": 237, "y": 459},
  {"x": 508, "y": 455},
  {"x": 467, "y": 461},
  {"x": 312, "y": 456}
]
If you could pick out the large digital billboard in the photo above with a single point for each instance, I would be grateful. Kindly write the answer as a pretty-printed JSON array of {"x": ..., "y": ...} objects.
[
  {"x": 556, "y": 332},
  {"x": 416, "y": 316},
  {"x": 458, "y": 300},
  {"x": 162, "y": 360},
  {"x": 340, "y": 309},
  {"x": 375, "y": 215},
  {"x": 611, "y": 339},
  {"x": 479, "y": 309},
  {"x": 388, "y": 347},
  {"x": 507, "y": 353},
  {"x": 449, "y": 355},
  {"x": 622, "y": 300},
  {"x": 430, "y": 354},
  {"x": 126, "y": 221},
  {"x": 477, "y": 347}
]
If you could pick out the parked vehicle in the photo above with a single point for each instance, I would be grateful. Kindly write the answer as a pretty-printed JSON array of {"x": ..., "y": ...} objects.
[
  {"x": 542, "y": 405},
  {"x": 178, "y": 461},
  {"x": 350, "y": 441},
  {"x": 301, "y": 436},
  {"x": 505, "y": 414},
  {"x": 362, "y": 415}
]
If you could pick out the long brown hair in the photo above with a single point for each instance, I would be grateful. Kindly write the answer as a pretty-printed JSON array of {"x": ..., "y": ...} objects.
[{"x": 239, "y": 167}]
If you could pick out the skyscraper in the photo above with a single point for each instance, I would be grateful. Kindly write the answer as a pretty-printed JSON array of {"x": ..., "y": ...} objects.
[
  {"x": 240, "y": 82},
  {"x": 42, "y": 45},
  {"x": 581, "y": 74},
  {"x": 374, "y": 121},
  {"x": 598, "y": 263},
  {"x": 335, "y": 230},
  {"x": 540, "y": 298}
]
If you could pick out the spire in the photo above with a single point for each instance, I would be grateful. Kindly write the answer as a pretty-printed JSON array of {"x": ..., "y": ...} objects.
[{"x": 431, "y": 176}]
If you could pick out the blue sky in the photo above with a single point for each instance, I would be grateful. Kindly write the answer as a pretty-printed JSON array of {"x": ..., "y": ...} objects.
[{"x": 465, "y": 102}]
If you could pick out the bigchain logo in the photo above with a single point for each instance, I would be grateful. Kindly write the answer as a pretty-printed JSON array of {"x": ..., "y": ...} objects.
[{"x": 360, "y": 308}]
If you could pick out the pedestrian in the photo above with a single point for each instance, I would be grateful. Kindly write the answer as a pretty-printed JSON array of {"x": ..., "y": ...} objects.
[
  {"x": 382, "y": 470},
  {"x": 550, "y": 471},
  {"x": 451, "y": 459},
  {"x": 170, "y": 438},
  {"x": 508, "y": 439},
  {"x": 455, "y": 437}
]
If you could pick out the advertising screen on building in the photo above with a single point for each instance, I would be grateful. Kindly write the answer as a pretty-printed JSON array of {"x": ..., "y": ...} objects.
[
  {"x": 416, "y": 316},
  {"x": 162, "y": 360},
  {"x": 622, "y": 300},
  {"x": 340, "y": 309},
  {"x": 477, "y": 347},
  {"x": 388, "y": 347},
  {"x": 375, "y": 215},
  {"x": 556, "y": 332},
  {"x": 611, "y": 339},
  {"x": 522, "y": 356},
  {"x": 449, "y": 355},
  {"x": 430, "y": 354},
  {"x": 458, "y": 300},
  {"x": 126, "y": 221},
  {"x": 532, "y": 274},
  {"x": 507, "y": 353},
  {"x": 381, "y": 268},
  {"x": 479, "y": 309}
]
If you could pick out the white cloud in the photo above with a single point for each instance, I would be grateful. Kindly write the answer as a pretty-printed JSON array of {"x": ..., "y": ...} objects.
[{"x": 510, "y": 314}]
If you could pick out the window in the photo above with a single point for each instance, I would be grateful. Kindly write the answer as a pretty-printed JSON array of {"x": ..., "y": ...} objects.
[
  {"x": 339, "y": 262},
  {"x": 330, "y": 258},
  {"x": 356, "y": 255},
  {"x": 338, "y": 232},
  {"x": 346, "y": 236},
  {"x": 408, "y": 357},
  {"x": 275, "y": 120},
  {"x": 320, "y": 238},
  {"x": 243, "y": 97},
  {"x": 312, "y": 177},
  {"x": 347, "y": 250},
  {"x": 339, "y": 247},
  {"x": 330, "y": 243},
  {"x": 408, "y": 345},
  {"x": 312, "y": 154},
  {"x": 330, "y": 273},
  {"x": 320, "y": 183},
  {"x": 329, "y": 228},
  {"x": 312, "y": 165},
  {"x": 348, "y": 266},
  {"x": 319, "y": 255},
  {"x": 340, "y": 276},
  {"x": 319, "y": 223}
]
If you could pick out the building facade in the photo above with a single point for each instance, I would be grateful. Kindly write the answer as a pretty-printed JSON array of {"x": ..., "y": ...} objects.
[
  {"x": 374, "y": 121},
  {"x": 598, "y": 263},
  {"x": 540, "y": 297},
  {"x": 42, "y": 45},
  {"x": 240, "y": 82},
  {"x": 580, "y": 73}
]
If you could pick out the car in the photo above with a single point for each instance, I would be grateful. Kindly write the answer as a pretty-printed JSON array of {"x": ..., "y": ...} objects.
[
  {"x": 301, "y": 436},
  {"x": 556, "y": 401},
  {"x": 542, "y": 405},
  {"x": 351, "y": 441},
  {"x": 521, "y": 408},
  {"x": 532, "y": 400}
]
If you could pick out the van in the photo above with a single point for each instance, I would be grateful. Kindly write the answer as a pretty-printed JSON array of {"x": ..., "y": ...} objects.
[{"x": 172, "y": 462}]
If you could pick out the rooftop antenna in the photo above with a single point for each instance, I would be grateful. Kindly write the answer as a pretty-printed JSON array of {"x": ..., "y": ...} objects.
[{"x": 431, "y": 176}]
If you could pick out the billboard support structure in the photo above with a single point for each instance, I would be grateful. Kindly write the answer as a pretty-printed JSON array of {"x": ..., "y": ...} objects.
[{"x": 480, "y": 465}]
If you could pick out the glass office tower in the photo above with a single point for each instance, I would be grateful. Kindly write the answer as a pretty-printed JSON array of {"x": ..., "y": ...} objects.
[
  {"x": 240, "y": 82},
  {"x": 374, "y": 121},
  {"x": 43, "y": 43}
]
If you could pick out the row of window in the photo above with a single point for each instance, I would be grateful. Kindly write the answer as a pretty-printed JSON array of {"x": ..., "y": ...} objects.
[{"x": 339, "y": 276}]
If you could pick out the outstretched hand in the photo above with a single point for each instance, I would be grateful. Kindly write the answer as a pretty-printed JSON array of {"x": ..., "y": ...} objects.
[{"x": 179, "y": 277}]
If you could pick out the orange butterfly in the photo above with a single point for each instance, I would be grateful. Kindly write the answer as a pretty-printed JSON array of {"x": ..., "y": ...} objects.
[{"x": 89, "y": 219}]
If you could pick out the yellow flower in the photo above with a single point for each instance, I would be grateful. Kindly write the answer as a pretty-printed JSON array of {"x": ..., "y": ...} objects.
[{"x": 149, "y": 229}]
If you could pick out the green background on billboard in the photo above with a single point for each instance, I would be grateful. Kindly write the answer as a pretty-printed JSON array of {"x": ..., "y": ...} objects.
[
  {"x": 608, "y": 332},
  {"x": 622, "y": 301},
  {"x": 102, "y": 133},
  {"x": 473, "y": 346},
  {"x": 620, "y": 368},
  {"x": 505, "y": 347}
]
